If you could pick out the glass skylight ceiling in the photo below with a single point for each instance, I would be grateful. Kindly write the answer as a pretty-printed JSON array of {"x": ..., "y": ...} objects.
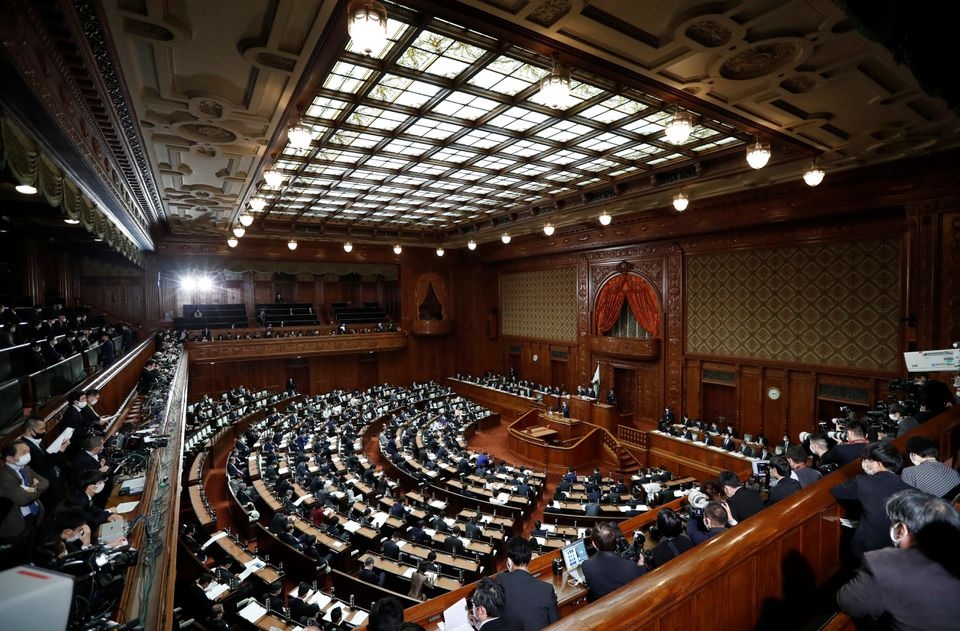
[{"x": 446, "y": 126}]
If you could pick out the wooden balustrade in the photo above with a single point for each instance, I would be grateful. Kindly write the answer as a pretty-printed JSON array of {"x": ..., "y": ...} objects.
[
  {"x": 771, "y": 562},
  {"x": 283, "y": 347}
]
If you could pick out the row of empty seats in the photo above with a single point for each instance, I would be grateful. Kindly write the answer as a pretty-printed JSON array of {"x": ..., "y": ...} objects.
[
  {"x": 297, "y": 314},
  {"x": 349, "y": 313}
]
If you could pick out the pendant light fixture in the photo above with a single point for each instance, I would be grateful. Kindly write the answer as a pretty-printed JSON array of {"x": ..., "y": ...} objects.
[
  {"x": 555, "y": 87},
  {"x": 680, "y": 202},
  {"x": 292, "y": 244},
  {"x": 347, "y": 247},
  {"x": 813, "y": 175},
  {"x": 605, "y": 218},
  {"x": 367, "y": 25},
  {"x": 678, "y": 128},
  {"x": 758, "y": 154},
  {"x": 232, "y": 242}
]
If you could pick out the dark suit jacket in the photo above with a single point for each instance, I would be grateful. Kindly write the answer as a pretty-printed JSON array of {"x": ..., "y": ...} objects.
[
  {"x": 502, "y": 624},
  {"x": 744, "y": 503},
  {"x": 608, "y": 571},
  {"x": 784, "y": 488},
  {"x": 72, "y": 417},
  {"x": 391, "y": 549},
  {"x": 531, "y": 601},
  {"x": 85, "y": 462},
  {"x": 872, "y": 492},
  {"x": 42, "y": 462},
  {"x": 905, "y": 586}
]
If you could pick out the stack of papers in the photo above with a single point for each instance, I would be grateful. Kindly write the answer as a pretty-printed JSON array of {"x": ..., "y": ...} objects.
[
  {"x": 253, "y": 611},
  {"x": 214, "y": 590},
  {"x": 351, "y": 526},
  {"x": 58, "y": 443},
  {"x": 219, "y": 535},
  {"x": 126, "y": 507}
]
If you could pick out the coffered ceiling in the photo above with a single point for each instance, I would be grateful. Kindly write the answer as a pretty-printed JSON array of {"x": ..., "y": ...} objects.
[{"x": 442, "y": 136}]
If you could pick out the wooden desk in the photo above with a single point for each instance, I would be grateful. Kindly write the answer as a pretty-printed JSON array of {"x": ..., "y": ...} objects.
[
  {"x": 207, "y": 520},
  {"x": 268, "y": 574},
  {"x": 444, "y": 583},
  {"x": 541, "y": 433}
]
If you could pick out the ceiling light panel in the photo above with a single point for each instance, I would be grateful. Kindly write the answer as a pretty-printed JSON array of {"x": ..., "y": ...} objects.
[{"x": 451, "y": 123}]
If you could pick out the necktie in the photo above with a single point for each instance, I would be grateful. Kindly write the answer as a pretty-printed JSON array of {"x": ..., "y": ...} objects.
[{"x": 34, "y": 506}]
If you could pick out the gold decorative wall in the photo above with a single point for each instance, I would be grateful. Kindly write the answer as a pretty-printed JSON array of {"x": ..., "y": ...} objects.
[
  {"x": 834, "y": 304},
  {"x": 540, "y": 304}
]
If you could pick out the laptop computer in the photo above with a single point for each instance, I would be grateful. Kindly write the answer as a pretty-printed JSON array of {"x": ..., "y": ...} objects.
[
  {"x": 574, "y": 556},
  {"x": 111, "y": 531}
]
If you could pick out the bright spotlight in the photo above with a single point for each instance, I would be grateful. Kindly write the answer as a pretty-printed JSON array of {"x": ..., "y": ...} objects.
[
  {"x": 205, "y": 283},
  {"x": 188, "y": 282}
]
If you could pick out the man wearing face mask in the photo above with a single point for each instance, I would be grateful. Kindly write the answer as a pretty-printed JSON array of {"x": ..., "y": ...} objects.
[
  {"x": 904, "y": 423},
  {"x": 92, "y": 421},
  {"x": 49, "y": 466},
  {"x": 21, "y": 485},
  {"x": 90, "y": 459},
  {"x": 910, "y": 586},
  {"x": 90, "y": 484},
  {"x": 881, "y": 462},
  {"x": 529, "y": 600}
]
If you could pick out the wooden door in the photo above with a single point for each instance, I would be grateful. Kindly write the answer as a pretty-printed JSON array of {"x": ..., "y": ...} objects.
[
  {"x": 719, "y": 401},
  {"x": 625, "y": 387}
]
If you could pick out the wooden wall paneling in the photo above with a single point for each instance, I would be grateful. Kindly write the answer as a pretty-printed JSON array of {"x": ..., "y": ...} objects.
[
  {"x": 741, "y": 580},
  {"x": 369, "y": 291},
  {"x": 774, "y": 411},
  {"x": 949, "y": 290},
  {"x": 332, "y": 292},
  {"x": 263, "y": 292},
  {"x": 800, "y": 396},
  {"x": 749, "y": 393},
  {"x": 692, "y": 391},
  {"x": 304, "y": 292}
]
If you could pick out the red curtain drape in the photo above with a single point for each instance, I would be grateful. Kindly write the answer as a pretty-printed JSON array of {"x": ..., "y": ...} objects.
[{"x": 638, "y": 293}]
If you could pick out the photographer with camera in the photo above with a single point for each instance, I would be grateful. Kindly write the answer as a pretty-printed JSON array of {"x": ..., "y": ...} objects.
[
  {"x": 712, "y": 521},
  {"x": 854, "y": 442},
  {"x": 897, "y": 414},
  {"x": 607, "y": 571}
]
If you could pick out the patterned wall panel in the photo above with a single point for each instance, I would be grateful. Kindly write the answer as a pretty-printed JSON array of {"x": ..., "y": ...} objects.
[
  {"x": 834, "y": 304},
  {"x": 540, "y": 304}
]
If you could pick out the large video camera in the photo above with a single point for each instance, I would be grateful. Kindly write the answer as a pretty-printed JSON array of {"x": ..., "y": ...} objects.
[{"x": 99, "y": 579}]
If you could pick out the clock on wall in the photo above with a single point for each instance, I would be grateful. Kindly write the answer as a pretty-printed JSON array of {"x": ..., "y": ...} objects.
[{"x": 773, "y": 393}]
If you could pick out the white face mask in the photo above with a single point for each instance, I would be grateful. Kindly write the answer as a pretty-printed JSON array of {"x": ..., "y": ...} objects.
[
  {"x": 863, "y": 465},
  {"x": 82, "y": 404},
  {"x": 915, "y": 459},
  {"x": 73, "y": 537},
  {"x": 98, "y": 488},
  {"x": 23, "y": 460}
]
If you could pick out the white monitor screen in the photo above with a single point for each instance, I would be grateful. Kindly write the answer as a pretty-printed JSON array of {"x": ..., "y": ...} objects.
[{"x": 574, "y": 554}]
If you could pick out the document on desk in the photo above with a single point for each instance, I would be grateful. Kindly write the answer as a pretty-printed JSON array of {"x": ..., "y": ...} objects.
[
  {"x": 126, "y": 507},
  {"x": 300, "y": 500},
  {"x": 219, "y": 535},
  {"x": 401, "y": 544},
  {"x": 253, "y": 612},
  {"x": 320, "y": 599},
  {"x": 455, "y": 617},
  {"x": 57, "y": 444},
  {"x": 358, "y": 618},
  {"x": 438, "y": 504},
  {"x": 215, "y": 589},
  {"x": 351, "y": 526},
  {"x": 407, "y": 573}
]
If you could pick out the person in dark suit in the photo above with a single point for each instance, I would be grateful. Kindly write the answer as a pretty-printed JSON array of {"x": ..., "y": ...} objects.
[
  {"x": 299, "y": 609},
  {"x": 472, "y": 530},
  {"x": 570, "y": 476},
  {"x": 728, "y": 444},
  {"x": 453, "y": 543},
  {"x": 538, "y": 530},
  {"x": 90, "y": 484},
  {"x": 195, "y": 596},
  {"x": 489, "y": 604},
  {"x": 673, "y": 542},
  {"x": 781, "y": 484},
  {"x": 565, "y": 409},
  {"x": 148, "y": 377},
  {"x": 91, "y": 419},
  {"x": 592, "y": 509},
  {"x": 910, "y": 586},
  {"x": 47, "y": 465},
  {"x": 108, "y": 354},
  {"x": 73, "y": 417},
  {"x": 743, "y": 502},
  {"x": 607, "y": 571},
  {"x": 714, "y": 522},
  {"x": 390, "y": 547},
  {"x": 843, "y": 454},
  {"x": 370, "y": 574},
  {"x": 881, "y": 464},
  {"x": 531, "y": 601}
]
